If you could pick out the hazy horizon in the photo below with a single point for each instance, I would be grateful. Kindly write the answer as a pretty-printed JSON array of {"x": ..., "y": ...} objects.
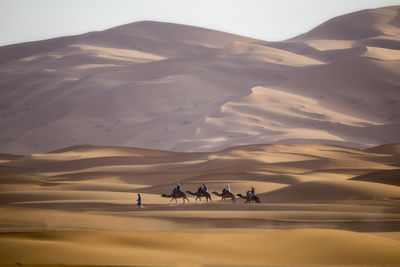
[{"x": 24, "y": 21}]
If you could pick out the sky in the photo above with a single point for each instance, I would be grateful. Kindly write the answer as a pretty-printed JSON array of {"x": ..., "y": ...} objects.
[{"x": 270, "y": 20}]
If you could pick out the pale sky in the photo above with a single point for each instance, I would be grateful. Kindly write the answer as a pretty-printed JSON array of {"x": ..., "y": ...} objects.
[{"x": 270, "y": 20}]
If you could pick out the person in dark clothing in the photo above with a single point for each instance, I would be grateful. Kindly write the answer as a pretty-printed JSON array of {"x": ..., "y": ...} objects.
[
  {"x": 227, "y": 189},
  {"x": 139, "y": 201},
  {"x": 250, "y": 192},
  {"x": 177, "y": 188},
  {"x": 204, "y": 189}
]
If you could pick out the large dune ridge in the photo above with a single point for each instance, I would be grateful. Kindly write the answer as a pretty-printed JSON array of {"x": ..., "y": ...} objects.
[
  {"x": 320, "y": 205},
  {"x": 177, "y": 87}
]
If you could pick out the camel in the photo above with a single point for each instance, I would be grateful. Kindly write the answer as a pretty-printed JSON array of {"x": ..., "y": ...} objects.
[
  {"x": 175, "y": 196},
  {"x": 225, "y": 195},
  {"x": 199, "y": 194},
  {"x": 249, "y": 198}
]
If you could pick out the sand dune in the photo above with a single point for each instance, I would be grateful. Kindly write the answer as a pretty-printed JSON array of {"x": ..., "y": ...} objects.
[
  {"x": 311, "y": 123},
  {"x": 391, "y": 177},
  {"x": 332, "y": 190},
  {"x": 155, "y": 248},
  {"x": 358, "y": 25},
  {"x": 68, "y": 200},
  {"x": 177, "y": 87},
  {"x": 267, "y": 54},
  {"x": 385, "y": 149},
  {"x": 284, "y": 173}
]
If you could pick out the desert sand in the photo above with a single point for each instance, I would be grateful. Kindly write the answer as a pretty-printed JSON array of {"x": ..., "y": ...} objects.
[
  {"x": 320, "y": 205},
  {"x": 312, "y": 123},
  {"x": 183, "y": 88}
]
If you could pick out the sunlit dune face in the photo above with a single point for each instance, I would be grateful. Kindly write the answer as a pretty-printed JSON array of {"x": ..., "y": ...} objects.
[
  {"x": 268, "y": 54},
  {"x": 382, "y": 53},
  {"x": 325, "y": 45},
  {"x": 118, "y": 54},
  {"x": 91, "y": 66}
]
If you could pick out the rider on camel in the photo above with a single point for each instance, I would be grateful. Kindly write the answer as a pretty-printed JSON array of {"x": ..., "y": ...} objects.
[
  {"x": 227, "y": 189},
  {"x": 177, "y": 188},
  {"x": 250, "y": 193},
  {"x": 204, "y": 189}
]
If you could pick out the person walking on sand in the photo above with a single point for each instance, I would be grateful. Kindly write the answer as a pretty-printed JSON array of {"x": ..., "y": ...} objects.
[{"x": 139, "y": 201}]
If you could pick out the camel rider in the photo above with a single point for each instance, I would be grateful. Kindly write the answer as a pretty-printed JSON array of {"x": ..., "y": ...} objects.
[
  {"x": 177, "y": 188},
  {"x": 227, "y": 189},
  {"x": 204, "y": 189},
  {"x": 250, "y": 193}
]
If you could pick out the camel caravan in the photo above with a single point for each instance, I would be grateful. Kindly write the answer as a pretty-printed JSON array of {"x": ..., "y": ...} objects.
[{"x": 202, "y": 192}]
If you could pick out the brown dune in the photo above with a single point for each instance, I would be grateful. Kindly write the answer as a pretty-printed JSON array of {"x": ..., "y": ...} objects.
[
  {"x": 359, "y": 25},
  {"x": 391, "y": 177},
  {"x": 385, "y": 149},
  {"x": 154, "y": 248},
  {"x": 323, "y": 191},
  {"x": 177, "y": 87},
  {"x": 317, "y": 100},
  {"x": 79, "y": 204}
]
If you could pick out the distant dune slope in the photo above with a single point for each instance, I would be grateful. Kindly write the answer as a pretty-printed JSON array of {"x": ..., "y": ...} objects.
[
  {"x": 177, "y": 87},
  {"x": 280, "y": 174}
]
